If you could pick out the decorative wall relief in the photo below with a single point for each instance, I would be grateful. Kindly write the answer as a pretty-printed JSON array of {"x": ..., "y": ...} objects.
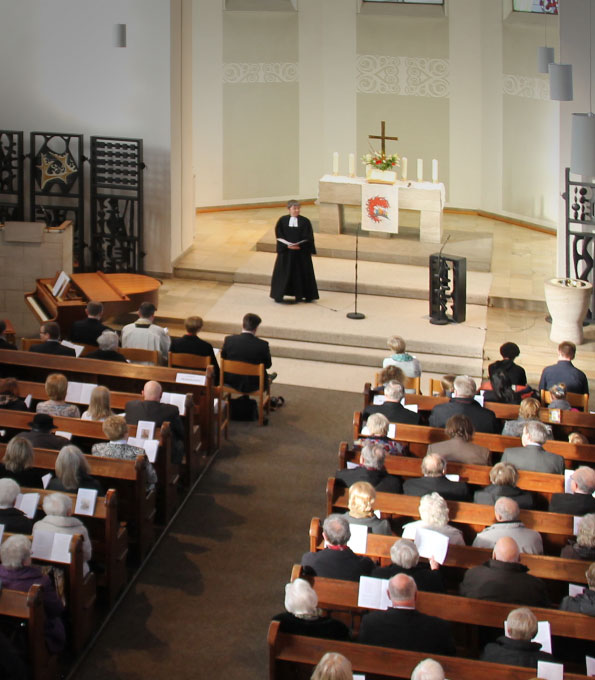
[
  {"x": 526, "y": 86},
  {"x": 12, "y": 195},
  {"x": 275, "y": 72},
  {"x": 406, "y": 76}
]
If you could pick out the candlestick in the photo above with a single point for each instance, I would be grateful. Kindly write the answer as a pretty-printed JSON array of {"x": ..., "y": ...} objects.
[
  {"x": 420, "y": 170},
  {"x": 336, "y": 163},
  {"x": 435, "y": 171},
  {"x": 351, "y": 165},
  {"x": 404, "y": 167}
]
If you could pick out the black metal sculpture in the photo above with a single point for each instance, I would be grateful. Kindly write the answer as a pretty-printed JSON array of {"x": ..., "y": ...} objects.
[
  {"x": 448, "y": 283},
  {"x": 12, "y": 194}
]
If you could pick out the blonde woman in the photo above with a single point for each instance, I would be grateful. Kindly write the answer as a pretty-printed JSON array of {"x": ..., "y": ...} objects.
[
  {"x": 362, "y": 497},
  {"x": 99, "y": 405},
  {"x": 56, "y": 387},
  {"x": 402, "y": 359},
  {"x": 433, "y": 512},
  {"x": 17, "y": 464},
  {"x": 528, "y": 410},
  {"x": 72, "y": 472}
]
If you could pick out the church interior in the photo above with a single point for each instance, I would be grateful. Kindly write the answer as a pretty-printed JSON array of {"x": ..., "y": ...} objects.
[{"x": 241, "y": 106}]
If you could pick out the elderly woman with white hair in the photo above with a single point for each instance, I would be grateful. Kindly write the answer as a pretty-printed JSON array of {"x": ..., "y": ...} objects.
[
  {"x": 405, "y": 560},
  {"x": 362, "y": 497},
  {"x": 303, "y": 616},
  {"x": 433, "y": 512},
  {"x": 428, "y": 669},
  {"x": 583, "y": 547},
  {"x": 377, "y": 434},
  {"x": 14, "y": 520},
  {"x": 59, "y": 520},
  {"x": 17, "y": 573},
  {"x": 333, "y": 666},
  {"x": 108, "y": 348},
  {"x": 73, "y": 472},
  {"x": 516, "y": 648}
]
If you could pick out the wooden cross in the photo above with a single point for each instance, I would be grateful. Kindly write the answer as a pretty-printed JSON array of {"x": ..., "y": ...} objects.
[{"x": 382, "y": 137}]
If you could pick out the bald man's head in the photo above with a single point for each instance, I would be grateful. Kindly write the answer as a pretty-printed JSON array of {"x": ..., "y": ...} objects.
[
  {"x": 506, "y": 550},
  {"x": 152, "y": 391},
  {"x": 506, "y": 509},
  {"x": 402, "y": 590}
]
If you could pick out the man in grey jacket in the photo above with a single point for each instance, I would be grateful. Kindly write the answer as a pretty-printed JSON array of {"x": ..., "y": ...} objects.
[
  {"x": 531, "y": 455},
  {"x": 506, "y": 512}
]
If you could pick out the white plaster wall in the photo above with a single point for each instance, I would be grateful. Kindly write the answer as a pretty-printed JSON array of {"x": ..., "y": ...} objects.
[{"x": 61, "y": 73}]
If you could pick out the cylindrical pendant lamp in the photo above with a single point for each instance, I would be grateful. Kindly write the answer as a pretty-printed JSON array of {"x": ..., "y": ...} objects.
[
  {"x": 561, "y": 82},
  {"x": 545, "y": 57},
  {"x": 582, "y": 154}
]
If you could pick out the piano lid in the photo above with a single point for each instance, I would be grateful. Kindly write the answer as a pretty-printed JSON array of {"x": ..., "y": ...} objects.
[{"x": 98, "y": 286}]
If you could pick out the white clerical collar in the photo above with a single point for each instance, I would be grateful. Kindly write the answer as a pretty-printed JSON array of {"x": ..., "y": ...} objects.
[{"x": 293, "y": 221}]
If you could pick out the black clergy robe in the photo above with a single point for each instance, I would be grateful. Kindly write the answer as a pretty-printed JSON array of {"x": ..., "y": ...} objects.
[{"x": 293, "y": 273}]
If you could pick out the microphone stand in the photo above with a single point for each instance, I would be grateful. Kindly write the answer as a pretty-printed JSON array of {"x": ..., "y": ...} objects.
[{"x": 355, "y": 314}]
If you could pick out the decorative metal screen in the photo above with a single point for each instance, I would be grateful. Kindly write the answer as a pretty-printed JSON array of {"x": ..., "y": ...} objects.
[
  {"x": 57, "y": 184},
  {"x": 117, "y": 204},
  {"x": 12, "y": 194},
  {"x": 580, "y": 233},
  {"x": 448, "y": 286}
]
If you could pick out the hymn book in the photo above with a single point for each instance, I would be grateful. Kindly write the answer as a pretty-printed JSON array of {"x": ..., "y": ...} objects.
[
  {"x": 27, "y": 503},
  {"x": 54, "y": 547}
]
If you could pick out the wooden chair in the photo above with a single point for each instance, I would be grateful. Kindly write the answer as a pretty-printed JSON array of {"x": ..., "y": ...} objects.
[
  {"x": 193, "y": 361},
  {"x": 573, "y": 398},
  {"x": 263, "y": 393},
  {"x": 409, "y": 383},
  {"x": 27, "y": 343},
  {"x": 144, "y": 356},
  {"x": 436, "y": 389}
]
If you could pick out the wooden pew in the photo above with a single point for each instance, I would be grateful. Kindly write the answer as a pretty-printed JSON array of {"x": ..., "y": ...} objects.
[
  {"x": 419, "y": 436},
  {"x": 129, "y": 479},
  {"x": 293, "y": 657},
  {"x": 335, "y": 595},
  {"x": 470, "y": 517},
  {"x": 464, "y": 557},
  {"x": 108, "y": 536},
  {"x": 28, "y": 607},
  {"x": 118, "y": 377},
  {"x": 537, "y": 482}
]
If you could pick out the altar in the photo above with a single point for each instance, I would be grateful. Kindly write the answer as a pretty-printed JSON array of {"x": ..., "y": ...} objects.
[{"x": 335, "y": 191}]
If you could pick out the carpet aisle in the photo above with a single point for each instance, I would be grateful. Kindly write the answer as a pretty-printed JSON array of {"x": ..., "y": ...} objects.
[{"x": 202, "y": 606}]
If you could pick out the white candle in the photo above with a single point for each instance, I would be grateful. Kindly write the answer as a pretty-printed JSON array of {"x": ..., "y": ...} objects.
[
  {"x": 351, "y": 165},
  {"x": 420, "y": 170},
  {"x": 404, "y": 167},
  {"x": 336, "y": 163},
  {"x": 435, "y": 171}
]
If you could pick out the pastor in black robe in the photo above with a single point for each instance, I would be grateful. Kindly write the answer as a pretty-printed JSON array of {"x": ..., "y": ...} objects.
[{"x": 293, "y": 273}]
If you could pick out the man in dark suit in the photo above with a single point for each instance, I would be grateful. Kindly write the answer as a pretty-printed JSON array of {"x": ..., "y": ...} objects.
[
  {"x": 531, "y": 455},
  {"x": 192, "y": 344},
  {"x": 41, "y": 435},
  {"x": 392, "y": 407},
  {"x": 246, "y": 347},
  {"x": 580, "y": 500},
  {"x": 50, "y": 335},
  {"x": 463, "y": 401},
  {"x": 371, "y": 470},
  {"x": 4, "y": 344},
  {"x": 150, "y": 408},
  {"x": 14, "y": 520},
  {"x": 504, "y": 578},
  {"x": 565, "y": 371},
  {"x": 337, "y": 560},
  {"x": 403, "y": 627},
  {"x": 433, "y": 468},
  {"x": 88, "y": 330},
  {"x": 405, "y": 560}
]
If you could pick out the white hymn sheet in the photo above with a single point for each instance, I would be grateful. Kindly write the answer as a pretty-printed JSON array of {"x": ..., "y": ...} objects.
[
  {"x": 174, "y": 399},
  {"x": 28, "y": 399},
  {"x": 351, "y": 465},
  {"x": 77, "y": 348},
  {"x": 575, "y": 524},
  {"x": 27, "y": 503},
  {"x": 41, "y": 546},
  {"x": 544, "y": 636},
  {"x": 359, "y": 676},
  {"x": 550, "y": 671},
  {"x": 567, "y": 477},
  {"x": 431, "y": 544},
  {"x": 590, "y": 660},
  {"x": 392, "y": 430},
  {"x": 453, "y": 478},
  {"x": 479, "y": 399},
  {"x": 61, "y": 548},
  {"x": 411, "y": 407},
  {"x": 217, "y": 351},
  {"x": 149, "y": 446},
  {"x": 373, "y": 593},
  {"x": 60, "y": 284},
  {"x": 365, "y": 431},
  {"x": 85, "y": 502},
  {"x": 145, "y": 429},
  {"x": 1, "y": 532},
  {"x": 378, "y": 399},
  {"x": 191, "y": 379},
  {"x": 45, "y": 480},
  {"x": 359, "y": 538},
  {"x": 63, "y": 433},
  {"x": 574, "y": 589},
  {"x": 409, "y": 532}
]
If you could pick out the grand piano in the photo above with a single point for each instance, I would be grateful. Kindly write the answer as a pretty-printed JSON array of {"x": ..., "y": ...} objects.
[{"x": 119, "y": 293}]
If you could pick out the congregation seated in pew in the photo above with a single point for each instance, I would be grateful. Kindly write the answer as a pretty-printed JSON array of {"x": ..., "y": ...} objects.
[
  {"x": 504, "y": 579},
  {"x": 405, "y": 560},
  {"x": 377, "y": 425},
  {"x": 459, "y": 448},
  {"x": 584, "y": 603},
  {"x": 88, "y": 330},
  {"x": 49, "y": 332},
  {"x": 558, "y": 394},
  {"x": 392, "y": 408},
  {"x": 73, "y": 473},
  {"x": 516, "y": 648},
  {"x": 463, "y": 401},
  {"x": 56, "y": 386},
  {"x": 9, "y": 395},
  {"x": 336, "y": 560},
  {"x": 14, "y": 520},
  {"x": 190, "y": 343},
  {"x": 107, "y": 350},
  {"x": 434, "y": 515},
  {"x": 17, "y": 573},
  {"x": 302, "y": 616},
  {"x": 502, "y": 391},
  {"x": 40, "y": 435},
  {"x": 503, "y": 482},
  {"x": 433, "y": 468},
  {"x": 509, "y": 351},
  {"x": 565, "y": 371},
  {"x": 582, "y": 547},
  {"x": 17, "y": 463},
  {"x": 401, "y": 358},
  {"x": 371, "y": 469},
  {"x": 528, "y": 411},
  {"x": 361, "y": 509},
  {"x": 580, "y": 500},
  {"x": 506, "y": 513},
  {"x": 99, "y": 405},
  {"x": 531, "y": 455}
]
